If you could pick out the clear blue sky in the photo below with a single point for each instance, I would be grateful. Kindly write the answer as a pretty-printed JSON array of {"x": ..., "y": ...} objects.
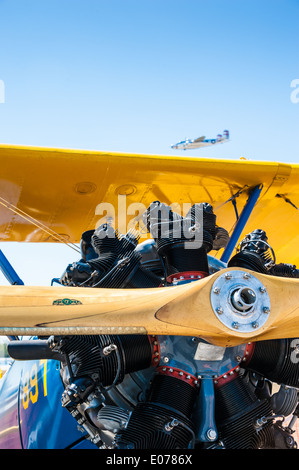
[{"x": 139, "y": 75}]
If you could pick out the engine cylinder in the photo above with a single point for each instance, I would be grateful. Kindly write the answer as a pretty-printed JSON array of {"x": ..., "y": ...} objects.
[
  {"x": 163, "y": 421},
  {"x": 237, "y": 410},
  {"x": 174, "y": 393},
  {"x": 277, "y": 360},
  {"x": 107, "y": 357}
]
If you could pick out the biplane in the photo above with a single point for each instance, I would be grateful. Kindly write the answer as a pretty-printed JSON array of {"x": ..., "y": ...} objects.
[
  {"x": 201, "y": 142},
  {"x": 149, "y": 340}
]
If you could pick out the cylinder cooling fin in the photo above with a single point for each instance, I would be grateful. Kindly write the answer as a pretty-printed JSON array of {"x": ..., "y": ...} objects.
[
  {"x": 277, "y": 360},
  {"x": 237, "y": 412},
  {"x": 107, "y": 358},
  {"x": 163, "y": 420}
]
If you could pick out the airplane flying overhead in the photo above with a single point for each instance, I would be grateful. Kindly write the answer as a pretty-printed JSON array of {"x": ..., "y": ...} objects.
[{"x": 201, "y": 142}]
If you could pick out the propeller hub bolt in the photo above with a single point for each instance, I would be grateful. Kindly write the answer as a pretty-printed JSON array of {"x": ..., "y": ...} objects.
[{"x": 211, "y": 434}]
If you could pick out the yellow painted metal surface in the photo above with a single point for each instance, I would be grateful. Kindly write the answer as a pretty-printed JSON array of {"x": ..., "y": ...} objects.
[{"x": 45, "y": 193}]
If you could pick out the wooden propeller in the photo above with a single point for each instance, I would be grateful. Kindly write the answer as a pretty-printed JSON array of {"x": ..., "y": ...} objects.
[{"x": 187, "y": 310}]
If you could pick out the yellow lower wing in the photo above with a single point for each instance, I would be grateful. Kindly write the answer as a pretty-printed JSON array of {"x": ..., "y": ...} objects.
[{"x": 190, "y": 309}]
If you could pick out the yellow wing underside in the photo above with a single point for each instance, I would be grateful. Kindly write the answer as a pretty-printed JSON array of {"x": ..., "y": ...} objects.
[{"x": 46, "y": 193}]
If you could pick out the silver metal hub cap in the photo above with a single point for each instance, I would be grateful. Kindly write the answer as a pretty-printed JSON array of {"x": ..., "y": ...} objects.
[{"x": 240, "y": 301}]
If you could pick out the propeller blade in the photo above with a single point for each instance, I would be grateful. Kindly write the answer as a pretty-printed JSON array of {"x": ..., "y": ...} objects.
[{"x": 230, "y": 307}]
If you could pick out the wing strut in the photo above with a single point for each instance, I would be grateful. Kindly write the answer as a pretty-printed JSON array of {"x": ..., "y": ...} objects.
[
  {"x": 246, "y": 212},
  {"x": 9, "y": 271},
  {"x": 12, "y": 277}
]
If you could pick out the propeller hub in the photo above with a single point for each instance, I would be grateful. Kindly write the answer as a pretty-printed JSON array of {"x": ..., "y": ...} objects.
[{"x": 240, "y": 301}]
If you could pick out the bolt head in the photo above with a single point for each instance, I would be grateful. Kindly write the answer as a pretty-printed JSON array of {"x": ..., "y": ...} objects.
[
  {"x": 216, "y": 290},
  {"x": 219, "y": 310},
  {"x": 211, "y": 434},
  {"x": 266, "y": 310},
  {"x": 235, "y": 325}
]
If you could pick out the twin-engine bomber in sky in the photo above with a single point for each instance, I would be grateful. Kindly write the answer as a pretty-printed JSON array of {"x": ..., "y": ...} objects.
[{"x": 201, "y": 142}]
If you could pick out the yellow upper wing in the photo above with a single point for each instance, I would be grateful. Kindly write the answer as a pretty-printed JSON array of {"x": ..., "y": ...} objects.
[{"x": 46, "y": 193}]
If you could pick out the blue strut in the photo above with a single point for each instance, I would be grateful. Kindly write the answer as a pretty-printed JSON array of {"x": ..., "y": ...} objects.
[
  {"x": 246, "y": 212},
  {"x": 9, "y": 271}
]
